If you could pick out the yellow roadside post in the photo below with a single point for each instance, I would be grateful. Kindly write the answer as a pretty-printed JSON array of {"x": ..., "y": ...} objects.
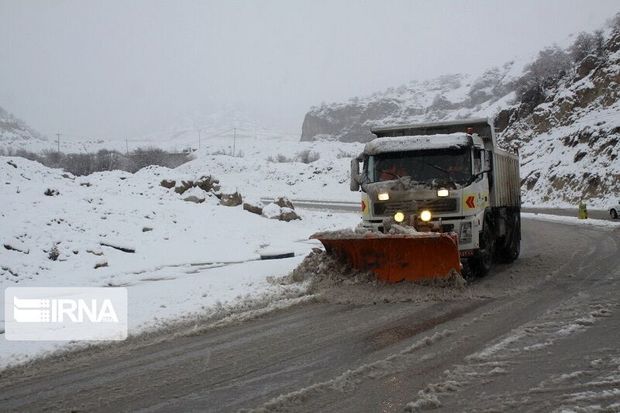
[{"x": 583, "y": 210}]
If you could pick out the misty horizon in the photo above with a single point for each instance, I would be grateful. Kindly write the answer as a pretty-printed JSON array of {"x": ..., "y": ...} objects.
[{"x": 116, "y": 70}]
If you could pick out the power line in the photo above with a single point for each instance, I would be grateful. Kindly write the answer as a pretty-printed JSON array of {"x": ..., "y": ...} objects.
[{"x": 234, "y": 141}]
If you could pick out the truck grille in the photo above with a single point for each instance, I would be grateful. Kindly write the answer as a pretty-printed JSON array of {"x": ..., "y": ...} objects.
[{"x": 436, "y": 206}]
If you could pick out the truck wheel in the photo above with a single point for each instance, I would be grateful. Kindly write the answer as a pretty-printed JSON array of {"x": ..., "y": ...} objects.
[
  {"x": 512, "y": 248},
  {"x": 482, "y": 262},
  {"x": 614, "y": 214}
]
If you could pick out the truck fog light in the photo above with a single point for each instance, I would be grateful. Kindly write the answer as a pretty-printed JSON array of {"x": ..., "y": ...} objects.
[
  {"x": 383, "y": 196},
  {"x": 465, "y": 235},
  {"x": 443, "y": 192},
  {"x": 399, "y": 217},
  {"x": 425, "y": 215}
]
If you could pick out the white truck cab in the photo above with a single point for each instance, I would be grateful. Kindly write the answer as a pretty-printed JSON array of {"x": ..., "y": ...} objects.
[{"x": 444, "y": 177}]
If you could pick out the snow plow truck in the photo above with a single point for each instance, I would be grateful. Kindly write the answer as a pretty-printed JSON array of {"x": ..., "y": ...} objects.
[{"x": 437, "y": 198}]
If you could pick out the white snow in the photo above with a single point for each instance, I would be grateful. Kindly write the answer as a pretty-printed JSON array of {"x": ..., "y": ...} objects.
[
  {"x": 409, "y": 143},
  {"x": 187, "y": 258},
  {"x": 600, "y": 223}
]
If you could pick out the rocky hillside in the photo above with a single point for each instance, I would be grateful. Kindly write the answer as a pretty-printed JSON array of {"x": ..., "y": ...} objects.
[
  {"x": 446, "y": 97},
  {"x": 568, "y": 131},
  {"x": 561, "y": 111},
  {"x": 15, "y": 133}
]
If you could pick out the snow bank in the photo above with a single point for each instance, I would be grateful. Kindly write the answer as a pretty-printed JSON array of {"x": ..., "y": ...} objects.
[
  {"x": 571, "y": 220},
  {"x": 177, "y": 258}
]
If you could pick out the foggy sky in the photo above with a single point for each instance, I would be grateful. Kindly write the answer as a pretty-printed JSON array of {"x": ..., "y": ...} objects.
[{"x": 121, "y": 68}]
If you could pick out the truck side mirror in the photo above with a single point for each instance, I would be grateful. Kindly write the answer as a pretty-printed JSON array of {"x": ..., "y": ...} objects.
[{"x": 355, "y": 175}]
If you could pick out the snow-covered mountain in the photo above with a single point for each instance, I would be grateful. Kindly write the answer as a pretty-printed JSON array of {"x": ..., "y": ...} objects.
[
  {"x": 446, "y": 97},
  {"x": 16, "y": 134},
  {"x": 561, "y": 111}
]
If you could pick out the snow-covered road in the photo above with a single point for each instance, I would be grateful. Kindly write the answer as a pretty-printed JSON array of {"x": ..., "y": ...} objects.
[{"x": 540, "y": 334}]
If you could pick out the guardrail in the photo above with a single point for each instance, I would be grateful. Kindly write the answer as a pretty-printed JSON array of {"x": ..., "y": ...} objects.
[{"x": 318, "y": 204}]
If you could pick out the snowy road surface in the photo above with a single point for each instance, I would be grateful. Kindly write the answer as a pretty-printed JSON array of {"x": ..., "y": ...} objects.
[{"x": 539, "y": 335}]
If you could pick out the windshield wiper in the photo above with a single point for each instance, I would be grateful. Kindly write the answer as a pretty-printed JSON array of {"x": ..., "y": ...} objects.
[
  {"x": 448, "y": 176},
  {"x": 439, "y": 168}
]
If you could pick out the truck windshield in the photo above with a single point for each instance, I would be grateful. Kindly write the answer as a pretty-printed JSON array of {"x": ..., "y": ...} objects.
[{"x": 426, "y": 166}]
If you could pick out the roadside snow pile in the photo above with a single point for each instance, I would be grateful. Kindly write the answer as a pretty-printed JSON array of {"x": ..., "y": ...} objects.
[
  {"x": 571, "y": 220},
  {"x": 335, "y": 281},
  {"x": 118, "y": 229},
  {"x": 279, "y": 167}
]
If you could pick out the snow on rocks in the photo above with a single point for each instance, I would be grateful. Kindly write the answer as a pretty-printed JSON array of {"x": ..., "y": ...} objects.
[
  {"x": 231, "y": 200},
  {"x": 282, "y": 209}
]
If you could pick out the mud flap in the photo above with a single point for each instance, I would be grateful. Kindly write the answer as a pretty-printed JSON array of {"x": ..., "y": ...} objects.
[{"x": 395, "y": 258}]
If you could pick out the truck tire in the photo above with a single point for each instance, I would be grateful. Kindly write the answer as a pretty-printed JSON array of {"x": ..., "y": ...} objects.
[
  {"x": 482, "y": 261},
  {"x": 512, "y": 247},
  {"x": 614, "y": 214}
]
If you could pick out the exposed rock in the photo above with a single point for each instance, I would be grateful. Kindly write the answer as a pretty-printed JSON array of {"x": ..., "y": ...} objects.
[
  {"x": 51, "y": 192},
  {"x": 122, "y": 248},
  {"x": 411, "y": 103},
  {"x": 168, "y": 184},
  {"x": 283, "y": 202},
  {"x": 195, "y": 199},
  {"x": 288, "y": 215},
  {"x": 147, "y": 229},
  {"x": 587, "y": 65},
  {"x": 11, "y": 247},
  {"x": 208, "y": 184},
  {"x": 185, "y": 185},
  {"x": 231, "y": 200},
  {"x": 252, "y": 208},
  {"x": 100, "y": 264}
]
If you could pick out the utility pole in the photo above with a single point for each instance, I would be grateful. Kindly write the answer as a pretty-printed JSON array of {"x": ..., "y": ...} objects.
[
  {"x": 234, "y": 140},
  {"x": 58, "y": 141},
  {"x": 126, "y": 147},
  {"x": 199, "y": 130}
]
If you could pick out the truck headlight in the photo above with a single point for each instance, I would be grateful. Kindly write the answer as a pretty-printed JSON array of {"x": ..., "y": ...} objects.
[
  {"x": 399, "y": 217},
  {"x": 383, "y": 196},
  {"x": 443, "y": 192},
  {"x": 465, "y": 235},
  {"x": 425, "y": 215}
]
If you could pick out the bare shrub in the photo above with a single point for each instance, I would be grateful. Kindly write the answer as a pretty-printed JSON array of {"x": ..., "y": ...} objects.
[
  {"x": 308, "y": 156},
  {"x": 551, "y": 64},
  {"x": 279, "y": 159},
  {"x": 80, "y": 164},
  {"x": 342, "y": 154},
  {"x": 587, "y": 44},
  {"x": 54, "y": 253}
]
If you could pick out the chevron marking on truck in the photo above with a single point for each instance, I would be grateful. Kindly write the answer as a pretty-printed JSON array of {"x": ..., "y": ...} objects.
[{"x": 470, "y": 202}]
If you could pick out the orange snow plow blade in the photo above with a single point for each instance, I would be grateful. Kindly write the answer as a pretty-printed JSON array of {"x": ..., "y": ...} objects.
[{"x": 398, "y": 257}]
